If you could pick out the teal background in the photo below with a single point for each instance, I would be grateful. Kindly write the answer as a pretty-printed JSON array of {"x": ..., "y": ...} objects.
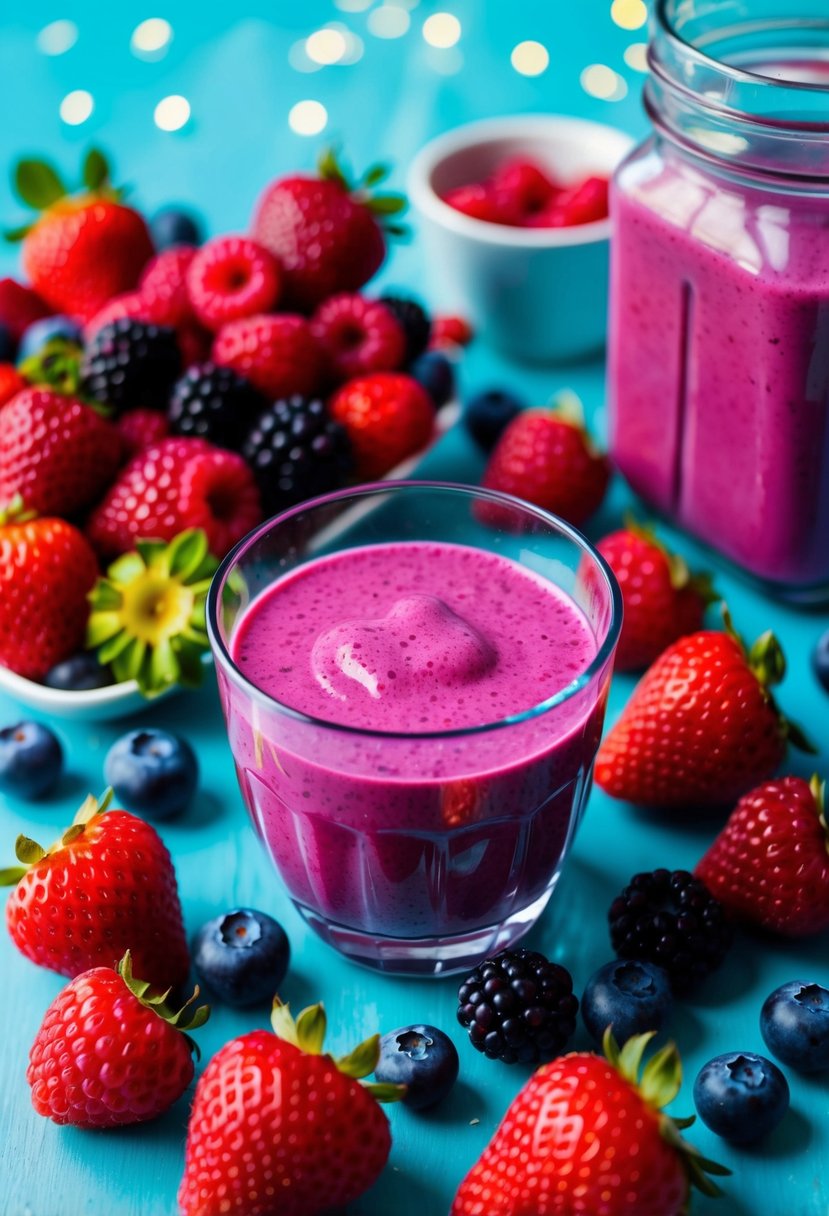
[{"x": 236, "y": 75}]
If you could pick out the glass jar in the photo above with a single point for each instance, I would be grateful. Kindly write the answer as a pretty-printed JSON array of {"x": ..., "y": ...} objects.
[{"x": 719, "y": 334}]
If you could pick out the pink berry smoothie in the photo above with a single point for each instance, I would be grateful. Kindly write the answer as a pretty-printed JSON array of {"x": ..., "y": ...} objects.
[
  {"x": 392, "y": 826},
  {"x": 719, "y": 361}
]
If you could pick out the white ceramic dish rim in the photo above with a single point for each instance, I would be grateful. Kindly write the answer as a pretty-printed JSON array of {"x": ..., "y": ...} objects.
[
  {"x": 88, "y": 702},
  {"x": 513, "y": 127}
]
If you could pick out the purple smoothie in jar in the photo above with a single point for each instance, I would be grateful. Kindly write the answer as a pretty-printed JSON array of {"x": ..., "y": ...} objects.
[
  {"x": 719, "y": 349},
  {"x": 414, "y": 724}
]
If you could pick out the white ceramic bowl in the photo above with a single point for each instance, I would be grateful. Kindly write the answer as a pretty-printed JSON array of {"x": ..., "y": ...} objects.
[
  {"x": 538, "y": 294},
  {"x": 122, "y": 700}
]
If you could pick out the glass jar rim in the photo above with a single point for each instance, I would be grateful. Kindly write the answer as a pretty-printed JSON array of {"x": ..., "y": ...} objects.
[{"x": 583, "y": 680}]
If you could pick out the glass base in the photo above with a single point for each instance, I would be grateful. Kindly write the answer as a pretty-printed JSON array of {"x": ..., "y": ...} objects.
[{"x": 425, "y": 956}]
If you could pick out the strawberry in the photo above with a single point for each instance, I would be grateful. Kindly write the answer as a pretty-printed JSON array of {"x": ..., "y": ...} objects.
[
  {"x": 11, "y": 382},
  {"x": 46, "y": 569},
  {"x": 479, "y": 202},
  {"x": 524, "y": 187},
  {"x": 140, "y": 429},
  {"x": 358, "y": 336},
  {"x": 109, "y": 1052},
  {"x": 388, "y": 416},
  {"x": 57, "y": 453},
  {"x": 546, "y": 457},
  {"x": 701, "y": 727},
  {"x": 20, "y": 307},
  {"x": 172, "y": 486},
  {"x": 586, "y": 1137},
  {"x": 663, "y": 601},
  {"x": 85, "y": 248},
  {"x": 108, "y": 885},
  {"x": 770, "y": 863},
  {"x": 163, "y": 286},
  {"x": 277, "y": 354},
  {"x": 327, "y": 234},
  {"x": 301, "y": 1133},
  {"x": 232, "y": 277},
  {"x": 448, "y": 332}
]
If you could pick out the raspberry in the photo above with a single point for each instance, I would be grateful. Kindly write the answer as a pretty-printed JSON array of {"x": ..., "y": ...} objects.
[
  {"x": 129, "y": 364},
  {"x": 278, "y": 354},
  {"x": 388, "y": 417},
  {"x": 214, "y": 403},
  {"x": 476, "y": 201},
  {"x": 139, "y": 429},
  {"x": 358, "y": 336},
  {"x": 672, "y": 920},
  {"x": 232, "y": 277},
  {"x": 415, "y": 321},
  {"x": 163, "y": 286},
  {"x": 174, "y": 485},
  {"x": 450, "y": 331},
  {"x": 130, "y": 305},
  {"x": 518, "y": 1007},
  {"x": 524, "y": 187},
  {"x": 297, "y": 451}
]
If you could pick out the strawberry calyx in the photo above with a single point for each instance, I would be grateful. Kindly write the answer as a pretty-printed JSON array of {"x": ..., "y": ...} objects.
[
  {"x": 567, "y": 406},
  {"x": 658, "y": 1085},
  {"x": 188, "y": 1017},
  {"x": 28, "y": 852},
  {"x": 38, "y": 184},
  {"x": 679, "y": 571},
  {"x": 57, "y": 366},
  {"x": 148, "y": 612},
  {"x": 14, "y": 512},
  {"x": 307, "y": 1032},
  {"x": 767, "y": 663},
  {"x": 384, "y": 207}
]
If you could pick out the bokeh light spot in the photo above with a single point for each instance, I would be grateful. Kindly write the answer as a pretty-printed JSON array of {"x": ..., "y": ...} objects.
[
  {"x": 601, "y": 81},
  {"x": 389, "y": 21},
  {"x": 308, "y": 117},
  {"x": 530, "y": 58},
  {"x": 442, "y": 30},
  {"x": 629, "y": 14},
  {"x": 172, "y": 113},
  {"x": 151, "y": 39},
  {"x": 76, "y": 107},
  {"x": 57, "y": 37}
]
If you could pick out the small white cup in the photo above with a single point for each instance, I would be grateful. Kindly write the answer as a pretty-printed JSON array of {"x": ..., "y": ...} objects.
[{"x": 537, "y": 294}]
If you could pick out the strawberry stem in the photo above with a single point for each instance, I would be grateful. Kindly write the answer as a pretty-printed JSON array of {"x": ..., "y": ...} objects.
[{"x": 184, "y": 1019}]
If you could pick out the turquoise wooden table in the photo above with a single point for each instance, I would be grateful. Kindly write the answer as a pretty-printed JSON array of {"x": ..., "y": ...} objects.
[{"x": 242, "y": 79}]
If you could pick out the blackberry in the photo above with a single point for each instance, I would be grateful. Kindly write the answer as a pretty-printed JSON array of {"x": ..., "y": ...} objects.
[
  {"x": 672, "y": 920},
  {"x": 214, "y": 403},
  {"x": 518, "y": 1007},
  {"x": 413, "y": 320},
  {"x": 129, "y": 364},
  {"x": 296, "y": 451}
]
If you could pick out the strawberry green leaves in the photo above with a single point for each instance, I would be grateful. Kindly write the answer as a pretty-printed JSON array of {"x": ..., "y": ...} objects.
[
  {"x": 38, "y": 184},
  {"x": 95, "y": 170},
  {"x": 384, "y": 207}
]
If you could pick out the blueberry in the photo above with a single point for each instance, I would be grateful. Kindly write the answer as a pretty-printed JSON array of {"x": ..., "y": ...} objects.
[
  {"x": 820, "y": 659},
  {"x": 794, "y": 1022},
  {"x": 8, "y": 346},
  {"x": 741, "y": 1096},
  {"x": 631, "y": 996},
  {"x": 242, "y": 956},
  {"x": 31, "y": 759},
  {"x": 39, "y": 333},
  {"x": 79, "y": 673},
  {"x": 487, "y": 414},
  {"x": 422, "y": 1058},
  {"x": 435, "y": 373},
  {"x": 172, "y": 226},
  {"x": 152, "y": 772}
]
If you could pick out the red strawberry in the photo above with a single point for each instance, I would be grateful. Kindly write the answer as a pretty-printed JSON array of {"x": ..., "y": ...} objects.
[
  {"x": 108, "y": 1053},
  {"x": 358, "y": 336},
  {"x": 172, "y": 486},
  {"x": 479, "y": 202},
  {"x": 450, "y": 331},
  {"x": 20, "y": 307},
  {"x": 279, "y": 1129},
  {"x": 701, "y": 727},
  {"x": 388, "y": 416},
  {"x": 770, "y": 863},
  {"x": 583, "y": 203},
  {"x": 11, "y": 382},
  {"x": 46, "y": 569},
  {"x": 163, "y": 286},
  {"x": 524, "y": 188},
  {"x": 277, "y": 354},
  {"x": 546, "y": 457},
  {"x": 108, "y": 885},
  {"x": 232, "y": 277},
  {"x": 662, "y": 600},
  {"x": 84, "y": 248},
  {"x": 586, "y": 1137},
  {"x": 57, "y": 453},
  {"x": 326, "y": 236},
  {"x": 140, "y": 429}
]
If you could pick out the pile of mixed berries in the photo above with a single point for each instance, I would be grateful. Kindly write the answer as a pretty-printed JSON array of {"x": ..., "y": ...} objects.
[{"x": 151, "y": 385}]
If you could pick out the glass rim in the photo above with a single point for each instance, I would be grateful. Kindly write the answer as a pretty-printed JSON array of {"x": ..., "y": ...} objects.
[
  {"x": 376, "y": 488},
  {"x": 667, "y": 26}
]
